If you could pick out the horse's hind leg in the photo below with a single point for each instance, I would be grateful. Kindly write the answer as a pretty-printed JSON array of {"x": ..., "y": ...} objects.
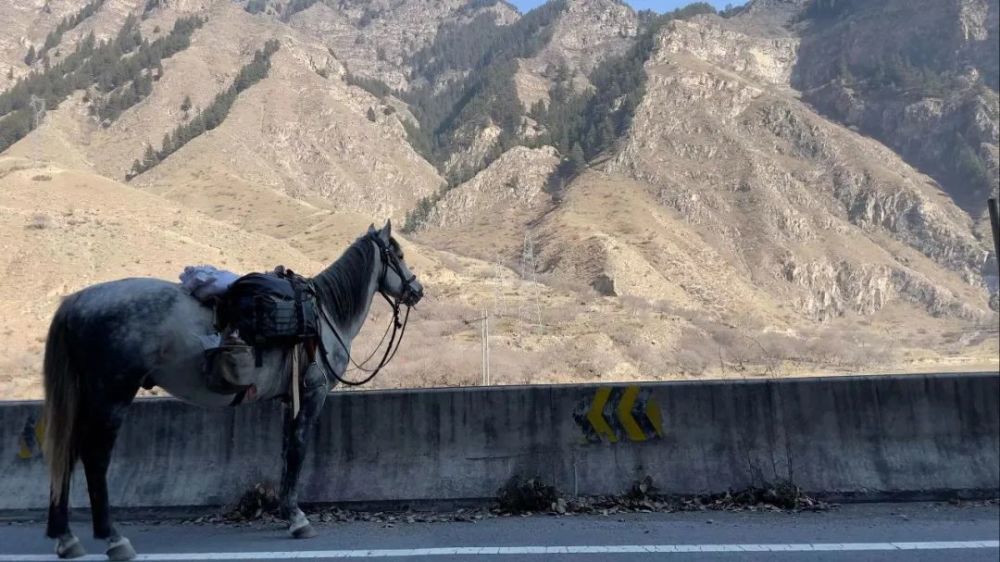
[
  {"x": 297, "y": 430},
  {"x": 67, "y": 545},
  {"x": 97, "y": 442}
]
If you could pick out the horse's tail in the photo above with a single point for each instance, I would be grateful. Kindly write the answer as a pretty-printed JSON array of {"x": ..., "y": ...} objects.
[{"x": 62, "y": 399}]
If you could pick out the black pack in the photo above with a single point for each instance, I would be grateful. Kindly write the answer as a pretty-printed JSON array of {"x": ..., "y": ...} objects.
[{"x": 270, "y": 309}]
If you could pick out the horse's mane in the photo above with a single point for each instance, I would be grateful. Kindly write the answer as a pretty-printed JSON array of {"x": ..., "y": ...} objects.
[{"x": 342, "y": 288}]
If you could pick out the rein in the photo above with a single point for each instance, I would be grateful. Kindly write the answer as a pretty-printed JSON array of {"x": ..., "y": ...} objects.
[{"x": 396, "y": 325}]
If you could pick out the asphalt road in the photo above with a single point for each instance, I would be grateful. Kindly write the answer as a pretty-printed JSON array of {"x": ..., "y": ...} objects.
[{"x": 911, "y": 532}]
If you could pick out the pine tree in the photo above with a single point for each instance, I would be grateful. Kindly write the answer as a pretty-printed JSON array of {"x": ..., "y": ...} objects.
[
  {"x": 51, "y": 40},
  {"x": 166, "y": 146},
  {"x": 186, "y": 104},
  {"x": 29, "y": 59},
  {"x": 576, "y": 158},
  {"x": 149, "y": 158}
]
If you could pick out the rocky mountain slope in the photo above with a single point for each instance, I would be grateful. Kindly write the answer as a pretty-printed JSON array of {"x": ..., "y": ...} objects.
[
  {"x": 793, "y": 186},
  {"x": 721, "y": 140},
  {"x": 920, "y": 77}
]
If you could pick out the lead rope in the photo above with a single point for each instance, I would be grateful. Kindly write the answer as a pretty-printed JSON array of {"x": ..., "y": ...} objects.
[{"x": 396, "y": 325}]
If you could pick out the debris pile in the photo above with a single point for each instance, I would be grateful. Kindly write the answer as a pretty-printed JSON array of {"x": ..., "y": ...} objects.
[
  {"x": 521, "y": 495},
  {"x": 527, "y": 496},
  {"x": 259, "y": 502}
]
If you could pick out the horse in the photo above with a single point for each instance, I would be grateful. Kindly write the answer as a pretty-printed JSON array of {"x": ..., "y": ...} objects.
[{"x": 108, "y": 340}]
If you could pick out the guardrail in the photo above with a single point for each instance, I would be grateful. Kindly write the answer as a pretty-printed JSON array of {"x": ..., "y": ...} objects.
[{"x": 906, "y": 436}]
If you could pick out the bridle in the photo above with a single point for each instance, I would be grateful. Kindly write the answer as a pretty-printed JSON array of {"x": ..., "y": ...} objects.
[{"x": 389, "y": 260}]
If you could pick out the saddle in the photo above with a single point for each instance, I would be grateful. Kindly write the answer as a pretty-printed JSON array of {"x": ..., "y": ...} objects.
[{"x": 258, "y": 312}]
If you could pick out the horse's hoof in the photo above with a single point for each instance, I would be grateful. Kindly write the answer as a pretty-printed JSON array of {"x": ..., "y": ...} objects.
[
  {"x": 299, "y": 527},
  {"x": 306, "y": 532},
  {"x": 69, "y": 548},
  {"x": 120, "y": 549}
]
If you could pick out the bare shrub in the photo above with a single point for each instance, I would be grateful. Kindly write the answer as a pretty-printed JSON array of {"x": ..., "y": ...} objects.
[
  {"x": 650, "y": 358},
  {"x": 595, "y": 363},
  {"x": 39, "y": 221},
  {"x": 692, "y": 362},
  {"x": 635, "y": 305},
  {"x": 669, "y": 308},
  {"x": 568, "y": 285},
  {"x": 451, "y": 262},
  {"x": 696, "y": 351},
  {"x": 844, "y": 349},
  {"x": 625, "y": 335},
  {"x": 562, "y": 314}
]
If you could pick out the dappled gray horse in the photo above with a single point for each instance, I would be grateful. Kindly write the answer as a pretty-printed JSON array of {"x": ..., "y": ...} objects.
[{"x": 108, "y": 340}]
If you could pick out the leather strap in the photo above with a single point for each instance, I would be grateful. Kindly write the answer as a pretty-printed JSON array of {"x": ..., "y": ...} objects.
[{"x": 295, "y": 380}]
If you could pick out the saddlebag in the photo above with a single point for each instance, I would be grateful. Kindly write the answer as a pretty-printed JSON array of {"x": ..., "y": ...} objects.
[{"x": 268, "y": 310}]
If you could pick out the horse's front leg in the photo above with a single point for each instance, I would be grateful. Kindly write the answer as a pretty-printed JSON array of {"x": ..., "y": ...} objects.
[{"x": 297, "y": 430}]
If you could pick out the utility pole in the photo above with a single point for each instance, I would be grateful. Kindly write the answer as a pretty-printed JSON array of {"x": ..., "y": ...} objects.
[
  {"x": 530, "y": 311},
  {"x": 995, "y": 222},
  {"x": 484, "y": 332},
  {"x": 486, "y": 343},
  {"x": 499, "y": 301}
]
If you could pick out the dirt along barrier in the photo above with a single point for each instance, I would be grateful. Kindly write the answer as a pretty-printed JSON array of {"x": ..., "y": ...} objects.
[{"x": 872, "y": 437}]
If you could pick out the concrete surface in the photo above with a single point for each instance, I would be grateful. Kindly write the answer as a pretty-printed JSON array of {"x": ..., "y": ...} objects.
[
  {"x": 854, "y": 532},
  {"x": 906, "y": 436}
]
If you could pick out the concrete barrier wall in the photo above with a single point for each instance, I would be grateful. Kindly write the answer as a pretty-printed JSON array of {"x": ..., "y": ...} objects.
[{"x": 913, "y": 435}]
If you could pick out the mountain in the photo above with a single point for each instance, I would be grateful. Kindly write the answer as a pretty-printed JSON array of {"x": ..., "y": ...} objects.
[
  {"x": 787, "y": 187},
  {"x": 921, "y": 77}
]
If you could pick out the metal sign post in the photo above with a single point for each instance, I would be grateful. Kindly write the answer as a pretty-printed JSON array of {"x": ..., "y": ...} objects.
[{"x": 995, "y": 221}]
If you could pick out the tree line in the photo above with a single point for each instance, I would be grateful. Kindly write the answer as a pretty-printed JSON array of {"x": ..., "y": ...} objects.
[
  {"x": 487, "y": 53},
  {"x": 579, "y": 125},
  {"x": 54, "y": 37},
  {"x": 451, "y": 117},
  {"x": 130, "y": 80},
  {"x": 210, "y": 117},
  {"x": 101, "y": 68},
  {"x": 583, "y": 125}
]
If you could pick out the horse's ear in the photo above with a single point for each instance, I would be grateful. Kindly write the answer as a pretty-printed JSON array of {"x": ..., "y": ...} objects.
[
  {"x": 387, "y": 230},
  {"x": 371, "y": 228}
]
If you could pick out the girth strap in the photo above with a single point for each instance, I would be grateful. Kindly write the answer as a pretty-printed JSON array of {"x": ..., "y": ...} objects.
[{"x": 295, "y": 380}]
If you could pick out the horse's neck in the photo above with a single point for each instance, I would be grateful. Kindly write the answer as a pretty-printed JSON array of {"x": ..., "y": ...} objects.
[{"x": 348, "y": 328}]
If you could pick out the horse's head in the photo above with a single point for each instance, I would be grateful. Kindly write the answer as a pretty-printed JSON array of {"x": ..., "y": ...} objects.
[{"x": 396, "y": 280}]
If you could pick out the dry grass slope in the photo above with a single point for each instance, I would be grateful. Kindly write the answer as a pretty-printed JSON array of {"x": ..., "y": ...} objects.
[{"x": 732, "y": 233}]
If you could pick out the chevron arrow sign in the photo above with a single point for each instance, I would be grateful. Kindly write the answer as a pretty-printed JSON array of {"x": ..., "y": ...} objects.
[{"x": 616, "y": 414}]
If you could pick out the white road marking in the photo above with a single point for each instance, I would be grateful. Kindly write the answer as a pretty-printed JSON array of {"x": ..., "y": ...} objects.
[{"x": 543, "y": 550}]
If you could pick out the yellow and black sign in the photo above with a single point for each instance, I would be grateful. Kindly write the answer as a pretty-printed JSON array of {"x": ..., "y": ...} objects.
[
  {"x": 615, "y": 414},
  {"x": 31, "y": 439}
]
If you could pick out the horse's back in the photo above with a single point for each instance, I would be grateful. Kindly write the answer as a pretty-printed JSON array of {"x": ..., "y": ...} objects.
[
  {"x": 121, "y": 326},
  {"x": 134, "y": 293}
]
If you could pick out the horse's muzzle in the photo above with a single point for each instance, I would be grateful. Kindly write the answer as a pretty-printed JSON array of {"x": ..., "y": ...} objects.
[{"x": 413, "y": 293}]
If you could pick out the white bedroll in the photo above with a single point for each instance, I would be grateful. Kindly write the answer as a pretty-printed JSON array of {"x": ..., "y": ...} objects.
[{"x": 206, "y": 282}]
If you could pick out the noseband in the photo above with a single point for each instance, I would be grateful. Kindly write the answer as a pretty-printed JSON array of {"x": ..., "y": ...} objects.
[{"x": 389, "y": 259}]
